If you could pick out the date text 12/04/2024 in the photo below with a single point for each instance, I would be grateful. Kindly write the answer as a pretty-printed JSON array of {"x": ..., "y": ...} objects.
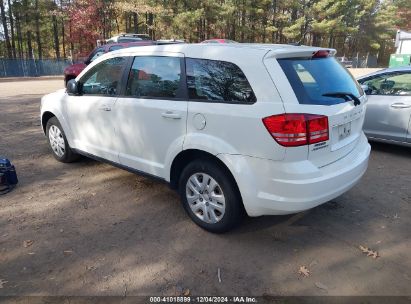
[{"x": 203, "y": 299}]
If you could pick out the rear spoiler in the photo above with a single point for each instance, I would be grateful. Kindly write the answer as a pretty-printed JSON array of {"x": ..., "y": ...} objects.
[{"x": 300, "y": 52}]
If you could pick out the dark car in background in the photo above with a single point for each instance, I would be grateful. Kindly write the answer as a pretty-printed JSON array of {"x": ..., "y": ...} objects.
[
  {"x": 345, "y": 61},
  {"x": 74, "y": 70}
]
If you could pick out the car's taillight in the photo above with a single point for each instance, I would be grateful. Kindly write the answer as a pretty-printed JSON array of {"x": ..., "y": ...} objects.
[
  {"x": 317, "y": 126},
  {"x": 288, "y": 130},
  {"x": 292, "y": 130}
]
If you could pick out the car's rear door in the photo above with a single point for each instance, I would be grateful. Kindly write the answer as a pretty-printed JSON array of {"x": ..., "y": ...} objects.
[
  {"x": 302, "y": 78},
  {"x": 389, "y": 106},
  {"x": 151, "y": 117}
]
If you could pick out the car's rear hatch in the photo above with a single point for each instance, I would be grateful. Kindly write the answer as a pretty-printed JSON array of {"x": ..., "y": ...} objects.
[{"x": 302, "y": 77}]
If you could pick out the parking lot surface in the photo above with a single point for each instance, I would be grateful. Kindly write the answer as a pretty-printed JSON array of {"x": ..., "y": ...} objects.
[{"x": 88, "y": 228}]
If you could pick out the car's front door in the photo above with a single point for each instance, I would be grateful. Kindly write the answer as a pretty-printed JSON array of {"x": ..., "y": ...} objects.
[
  {"x": 152, "y": 115},
  {"x": 389, "y": 106},
  {"x": 90, "y": 114}
]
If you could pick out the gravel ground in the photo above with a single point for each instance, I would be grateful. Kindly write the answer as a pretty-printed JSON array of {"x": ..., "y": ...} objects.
[{"x": 88, "y": 228}]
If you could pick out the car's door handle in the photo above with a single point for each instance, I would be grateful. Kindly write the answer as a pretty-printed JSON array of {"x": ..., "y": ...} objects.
[
  {"x": 400, "y": 105},
  {"x": 171, "y": 114},
  {"x": 105, "y": 108}
]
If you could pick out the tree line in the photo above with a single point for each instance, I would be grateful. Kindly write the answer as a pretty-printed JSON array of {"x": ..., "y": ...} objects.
[{"x": 62, "y": 28}]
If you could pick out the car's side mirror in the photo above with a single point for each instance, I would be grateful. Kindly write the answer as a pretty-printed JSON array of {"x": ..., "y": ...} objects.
[
  {"x": 73, "y": 87},
  {"x": 365, "y": 88}
]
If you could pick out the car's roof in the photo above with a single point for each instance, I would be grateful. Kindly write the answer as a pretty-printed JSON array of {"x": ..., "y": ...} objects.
[
  {"x": 130, "y": 43},
  {"x": 124, "y": 44},
  {"x": 389, "y": 70},
  {"x": 202, "y": 49},
  {"x": 219, "y": 40}
]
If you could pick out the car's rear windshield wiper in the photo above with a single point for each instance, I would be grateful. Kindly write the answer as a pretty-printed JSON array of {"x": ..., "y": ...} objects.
[{"x": 344, "y": 95}]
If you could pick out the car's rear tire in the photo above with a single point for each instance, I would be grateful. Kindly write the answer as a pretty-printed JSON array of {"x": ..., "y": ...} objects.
[
  {"x": 58, "y": 142},
  {"x": 210, "y": 196}
]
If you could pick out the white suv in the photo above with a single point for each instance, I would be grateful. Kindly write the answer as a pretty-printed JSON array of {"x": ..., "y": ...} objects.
[{"x": 238, "y": 128}]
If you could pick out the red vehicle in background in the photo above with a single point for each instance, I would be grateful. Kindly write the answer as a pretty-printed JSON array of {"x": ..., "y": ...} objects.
[
  {"x": 218, "y": 40},
  {"x": 74, "y": 70}
]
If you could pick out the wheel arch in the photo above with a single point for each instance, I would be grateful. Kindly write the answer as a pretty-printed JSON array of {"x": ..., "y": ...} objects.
[
  {"x": 186, "y": 156},
  {"x": 47, "y": 115},
  {"x": 45, "y": 118}
]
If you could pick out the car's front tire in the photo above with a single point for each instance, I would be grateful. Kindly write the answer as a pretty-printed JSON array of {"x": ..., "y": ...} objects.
[
  {"x": 210, "y": 196},
  {"x": 58, "y": 142}
]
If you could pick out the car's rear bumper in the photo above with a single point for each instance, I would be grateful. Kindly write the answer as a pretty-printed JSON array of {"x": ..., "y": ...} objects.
[{"x": 271, "y": 187}]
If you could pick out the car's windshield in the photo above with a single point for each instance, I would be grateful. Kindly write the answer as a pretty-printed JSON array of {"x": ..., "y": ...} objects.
[
  {"x": 311, "y": 78},
  {"x": 393, "y": 83},
  {"x": 94, "y": 55}
]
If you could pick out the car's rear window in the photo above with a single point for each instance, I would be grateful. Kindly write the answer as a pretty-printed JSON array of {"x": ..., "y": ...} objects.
[{"x": 310, "y": 78}]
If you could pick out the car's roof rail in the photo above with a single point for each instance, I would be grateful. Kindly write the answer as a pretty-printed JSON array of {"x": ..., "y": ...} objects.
[{"x": 133, "y": 35}]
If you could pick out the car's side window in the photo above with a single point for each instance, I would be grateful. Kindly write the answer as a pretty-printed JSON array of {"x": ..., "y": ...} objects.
[
  {"x": 217, "y": 81},
  {"x": 154, "y": 77},
  {"x": 104, "y": 78},
  {"x": 390, "y": 84}
]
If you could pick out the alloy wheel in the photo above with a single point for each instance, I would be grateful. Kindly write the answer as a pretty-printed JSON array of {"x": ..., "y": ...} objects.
[
  {"x": 205, "y": 198},
  {"x": 57, "y": 141}
]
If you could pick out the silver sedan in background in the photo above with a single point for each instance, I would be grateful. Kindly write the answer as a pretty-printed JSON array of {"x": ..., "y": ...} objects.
[{"x": 388, "y": 116}]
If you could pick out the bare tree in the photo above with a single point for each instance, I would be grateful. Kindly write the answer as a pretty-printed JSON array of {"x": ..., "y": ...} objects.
[
  {"x": 28, "y": 29},
  {"x": 6, "y": 31},
  {"x": 13, "y": 44},
  {"x": 56, "y": 33},
  {"x": 38, "y": 37}
]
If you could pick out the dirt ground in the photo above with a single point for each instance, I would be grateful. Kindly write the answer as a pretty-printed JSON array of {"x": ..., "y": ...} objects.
[{"x": 88, "y": 228}]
